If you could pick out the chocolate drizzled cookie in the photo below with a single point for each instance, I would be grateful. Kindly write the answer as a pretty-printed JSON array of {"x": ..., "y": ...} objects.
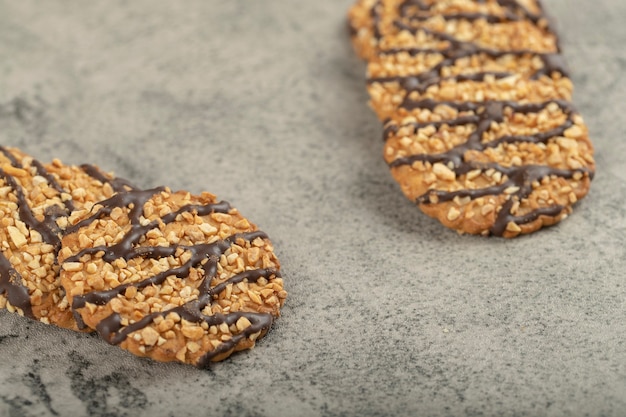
[
  {"x": 35, "y": 201},
  {"x": 381, "y": 25},
  {"x": 171, "y": 276},
  {"x": 475, "y": 96}
]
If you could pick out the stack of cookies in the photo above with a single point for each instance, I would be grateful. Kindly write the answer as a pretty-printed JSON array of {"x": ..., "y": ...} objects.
[
  {"x": 475, "y": 98},
  {"x": 167, "y": 275}
]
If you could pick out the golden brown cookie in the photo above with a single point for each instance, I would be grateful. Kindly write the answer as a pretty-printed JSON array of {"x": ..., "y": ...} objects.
[
  {"x": 171, "y": 276},
  {"x": 499, "y": 168},
  {"x": 35, "y": 202},
  {"x": 384, "y": 25},
  {"x": 397, "y": 81},
  {"x": 463, "y": 51}
]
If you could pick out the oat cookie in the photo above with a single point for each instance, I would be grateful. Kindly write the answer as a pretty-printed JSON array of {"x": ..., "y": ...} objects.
[
  {"x": 171, "y": 276},
  {"x": 475, "y": 96},
  {"x": 35, "y": 202}
]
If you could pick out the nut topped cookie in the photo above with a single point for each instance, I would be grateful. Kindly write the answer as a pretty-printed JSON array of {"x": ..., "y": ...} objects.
[
  {"x": 171, "y": 276},
  {"x": 35, "y": 201},
  {"x": 464, "y": 51},
  {"x": 498, "y": 168},
  {"x": 384, "y": 25},
  {"x": 396, "y": 81}
]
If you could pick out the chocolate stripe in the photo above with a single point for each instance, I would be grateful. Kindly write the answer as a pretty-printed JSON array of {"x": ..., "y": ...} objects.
[
  {"x": 12, "y": 287},
  {"x": 118, "y": 184}
]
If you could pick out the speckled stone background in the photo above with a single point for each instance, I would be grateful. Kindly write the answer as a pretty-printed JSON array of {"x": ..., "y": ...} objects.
[{"x": 263, "y": 103}]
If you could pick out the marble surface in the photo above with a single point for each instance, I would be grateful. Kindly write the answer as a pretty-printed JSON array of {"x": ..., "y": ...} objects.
[{"x": 263, "y": 103}]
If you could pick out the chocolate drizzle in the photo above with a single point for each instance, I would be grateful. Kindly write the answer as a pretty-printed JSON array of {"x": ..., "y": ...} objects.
[
  {"x": 205, "y": 256},
  {"x": 12, "y": 287},
  {"x": 512, "y": 11},
  {"x": 42, "y": 171},
  {"x": 377, "y": 18},
  {"x": 10, "y": 156},
  {"x": 118, "y": 184}
]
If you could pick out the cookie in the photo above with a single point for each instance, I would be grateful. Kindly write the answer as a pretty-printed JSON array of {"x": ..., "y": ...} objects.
[
  {"x": 475, "y": 96},
  {"x": 495, "y": 168},
  {"x": 465, "y": 56},
  {"x": 384, "y": 25},
  {"x": 171, "y": 276},
  {"x": 35, "y": 201},
  {"x": 468, "y": 74}
]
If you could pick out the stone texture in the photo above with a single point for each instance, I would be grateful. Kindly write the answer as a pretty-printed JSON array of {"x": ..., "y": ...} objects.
[{"x": 389, "y": 313}]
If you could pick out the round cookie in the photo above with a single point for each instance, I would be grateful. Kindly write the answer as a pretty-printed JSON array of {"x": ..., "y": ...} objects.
[
  {"x": 463, "y": 51},
  {"x": 384, "y": 25},
  {"x": 171, "y": 276},
  {"x": 35, "y": 202},
  {"x": 464, "y": 72},
  {"x": 496, "y": 168}
]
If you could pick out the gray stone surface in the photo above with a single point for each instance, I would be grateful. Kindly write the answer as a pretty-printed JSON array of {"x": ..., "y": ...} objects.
[{"x": 263, "y": 103}]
